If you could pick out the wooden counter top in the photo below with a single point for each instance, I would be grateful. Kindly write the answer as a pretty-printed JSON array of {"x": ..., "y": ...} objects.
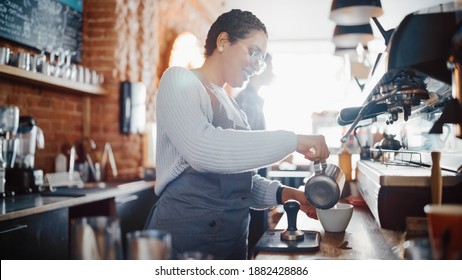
[
  {"x": 29, "y": 204},
  {"x": 363, "y": 239}
]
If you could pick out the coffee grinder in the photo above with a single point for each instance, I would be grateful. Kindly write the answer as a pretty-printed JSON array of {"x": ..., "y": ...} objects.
[{"x": 23, "y": 177}]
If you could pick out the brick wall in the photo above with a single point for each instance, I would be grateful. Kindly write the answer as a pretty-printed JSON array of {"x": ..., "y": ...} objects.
[{"x": 125, "y": 40}]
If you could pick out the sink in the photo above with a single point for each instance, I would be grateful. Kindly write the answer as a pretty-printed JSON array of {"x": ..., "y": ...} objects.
[
  {"x": 110, "y": 184},
  {"x": 71, "y": 191},
  {"x": 90, "y": 188}
]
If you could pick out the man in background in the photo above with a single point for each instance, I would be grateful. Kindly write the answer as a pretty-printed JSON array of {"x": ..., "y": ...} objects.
[
  {"x": 249, "y": 100},
  {"x": 252, "y": 104}
]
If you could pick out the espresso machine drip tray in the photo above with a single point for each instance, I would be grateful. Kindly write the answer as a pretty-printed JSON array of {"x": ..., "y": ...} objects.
[{"x": 271, "y": 242}]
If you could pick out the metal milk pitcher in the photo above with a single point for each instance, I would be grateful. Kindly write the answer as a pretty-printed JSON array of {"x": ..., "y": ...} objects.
[{"x": 324, "y": 187}]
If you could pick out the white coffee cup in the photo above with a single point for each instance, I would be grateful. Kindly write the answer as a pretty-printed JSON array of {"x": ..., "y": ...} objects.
[{"x": 337, "y": 218}]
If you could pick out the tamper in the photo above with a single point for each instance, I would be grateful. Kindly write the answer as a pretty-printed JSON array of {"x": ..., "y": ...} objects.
[
  {"x": 292, "y": 233},
  {"x": 290, "y": 239}
]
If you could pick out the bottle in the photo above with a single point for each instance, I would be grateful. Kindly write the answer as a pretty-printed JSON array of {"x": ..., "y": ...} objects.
[
  {"x": 2, "y": 171},
  {"x": 60, "y": 163},
  {"x": 344, "y": 162}
]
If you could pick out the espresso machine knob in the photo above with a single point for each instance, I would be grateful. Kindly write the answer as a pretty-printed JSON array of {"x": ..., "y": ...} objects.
[{"x": 292, "y": 233}]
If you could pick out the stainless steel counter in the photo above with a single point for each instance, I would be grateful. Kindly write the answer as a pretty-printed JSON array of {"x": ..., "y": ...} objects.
[
  {"x": 394, "y": 193},
  {"x": 393, "y": 175}
]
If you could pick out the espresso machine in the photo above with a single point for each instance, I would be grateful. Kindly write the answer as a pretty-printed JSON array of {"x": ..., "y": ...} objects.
[
  {"x": 22, "y": 176},
  {"x": 411, "y": 77},
  {"x": 417, "y": 78}
]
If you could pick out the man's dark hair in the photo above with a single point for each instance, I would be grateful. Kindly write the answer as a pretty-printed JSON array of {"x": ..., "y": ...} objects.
[{"x": 238, "y": 24}]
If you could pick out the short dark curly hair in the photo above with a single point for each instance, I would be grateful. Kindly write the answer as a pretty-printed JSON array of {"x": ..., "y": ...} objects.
[{"x": 237, "y": 23}]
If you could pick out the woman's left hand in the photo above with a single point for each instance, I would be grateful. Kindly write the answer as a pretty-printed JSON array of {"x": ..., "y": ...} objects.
[{"x": 299, "y": 195}]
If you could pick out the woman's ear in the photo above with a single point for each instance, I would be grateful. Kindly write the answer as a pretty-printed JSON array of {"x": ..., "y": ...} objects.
[{"x": 222, "y": 41}]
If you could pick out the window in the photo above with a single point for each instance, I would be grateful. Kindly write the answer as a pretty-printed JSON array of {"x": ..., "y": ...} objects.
[{"x": 307, "y": 84}]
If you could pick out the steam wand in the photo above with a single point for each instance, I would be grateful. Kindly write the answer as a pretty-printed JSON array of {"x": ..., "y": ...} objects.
[{"x": 363, "y": 112}]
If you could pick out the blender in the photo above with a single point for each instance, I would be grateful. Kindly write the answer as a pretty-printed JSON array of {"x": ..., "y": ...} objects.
[
  {"x": 23, "y": 177},
  {"x": 9, "y": 122},
  {"x": 30, "y": 136}
]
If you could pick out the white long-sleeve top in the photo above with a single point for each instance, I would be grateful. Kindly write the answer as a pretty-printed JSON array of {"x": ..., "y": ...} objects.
[{"x": 186, "y": 137}]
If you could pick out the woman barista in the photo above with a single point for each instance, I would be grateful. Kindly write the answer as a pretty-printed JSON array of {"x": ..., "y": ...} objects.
[{"x": 206, "y": 154}]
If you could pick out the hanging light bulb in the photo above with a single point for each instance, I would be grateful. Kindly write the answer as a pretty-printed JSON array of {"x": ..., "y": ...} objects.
[
  {"x": 354, "y": 12},
  {"x": 350, "y": 36}
]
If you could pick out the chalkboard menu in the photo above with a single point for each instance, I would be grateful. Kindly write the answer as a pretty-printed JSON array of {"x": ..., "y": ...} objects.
[{"x": 42, "y": 24}]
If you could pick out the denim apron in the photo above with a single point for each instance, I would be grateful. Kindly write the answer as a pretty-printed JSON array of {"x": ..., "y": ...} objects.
[{"x": 207, "y": 212}]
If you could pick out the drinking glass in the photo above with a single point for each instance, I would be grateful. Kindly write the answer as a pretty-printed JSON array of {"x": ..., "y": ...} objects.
[
  {"x": 194, "y": 255},
  {"x": 96, "y": 238},
  {"x": 445, "y": 230},
  {"x": 149, "y": 244}
]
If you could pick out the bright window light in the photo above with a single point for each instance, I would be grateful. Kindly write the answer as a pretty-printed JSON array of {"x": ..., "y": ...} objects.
[{"x": 307, "y": 84}]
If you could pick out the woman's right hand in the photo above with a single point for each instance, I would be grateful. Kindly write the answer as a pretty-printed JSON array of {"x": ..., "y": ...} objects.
[{"x": 313, "y": 147}]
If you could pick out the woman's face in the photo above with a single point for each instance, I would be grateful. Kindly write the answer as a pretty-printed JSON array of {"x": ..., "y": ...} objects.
[{"x": 244, "y": 58}]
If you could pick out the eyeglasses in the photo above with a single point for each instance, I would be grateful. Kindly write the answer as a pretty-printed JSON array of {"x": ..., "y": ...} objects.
[{"x": 257, "y": 60}]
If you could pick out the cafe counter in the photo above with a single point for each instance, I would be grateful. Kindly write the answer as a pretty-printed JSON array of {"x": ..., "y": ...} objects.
[
  {"x": 37, "y": 225},
  {"x": 363, "y": 239}
]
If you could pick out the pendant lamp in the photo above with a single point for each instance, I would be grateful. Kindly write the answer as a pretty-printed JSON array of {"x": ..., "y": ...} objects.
[
  {"x": 346, "y": 36},
  {"x": 354, "y": 12}
]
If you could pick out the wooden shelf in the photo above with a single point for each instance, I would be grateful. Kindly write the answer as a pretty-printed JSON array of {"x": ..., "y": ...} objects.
[{"x": 18, "y": 74}]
